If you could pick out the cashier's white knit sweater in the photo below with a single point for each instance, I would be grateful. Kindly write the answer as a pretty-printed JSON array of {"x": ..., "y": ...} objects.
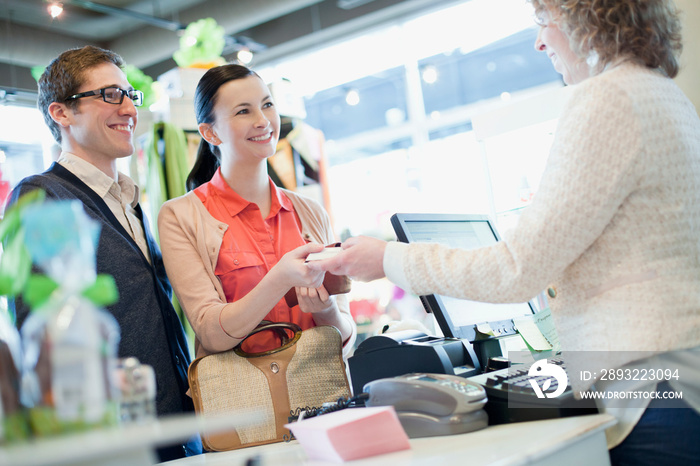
[{"x": 613, "y": 231}]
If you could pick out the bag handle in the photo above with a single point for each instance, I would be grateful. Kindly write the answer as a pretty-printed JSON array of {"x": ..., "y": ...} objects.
[
  {"x": 281, "y": 330},
  {"x": 279, "y": 327}
]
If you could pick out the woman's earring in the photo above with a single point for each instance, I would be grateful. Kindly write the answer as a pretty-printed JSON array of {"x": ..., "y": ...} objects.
[{"x": 592, "y": 59}]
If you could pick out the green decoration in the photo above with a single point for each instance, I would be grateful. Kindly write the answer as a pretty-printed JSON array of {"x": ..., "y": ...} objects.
[
  {"x": 142, "y": 82},
  {"x": 16, "y": 275},
  {"x": 37, "y": 71},
  {"x": 15, "y": 262},
  {"x": 16, "y": 427},
  {"x": 45, "y": 422},
  {"x": 202, "y": 44},
  {"x": 103, "y": 292},
  {"x": 38, "y": 290},
  {"x": 15, "y": 267}
]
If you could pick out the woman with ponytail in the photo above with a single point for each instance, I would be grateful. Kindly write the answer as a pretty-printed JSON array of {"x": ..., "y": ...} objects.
[{"x": 235, "y": 244}]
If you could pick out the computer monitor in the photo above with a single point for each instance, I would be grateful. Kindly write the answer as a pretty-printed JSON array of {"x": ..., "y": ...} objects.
[{"x": 459, "y": 318}]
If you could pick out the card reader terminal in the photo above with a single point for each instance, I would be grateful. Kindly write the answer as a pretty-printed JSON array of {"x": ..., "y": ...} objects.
[{"x": 431, "y": 404}]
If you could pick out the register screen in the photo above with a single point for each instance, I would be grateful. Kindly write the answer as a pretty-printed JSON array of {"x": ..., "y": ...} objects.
[{"x": 466, "y": 234}]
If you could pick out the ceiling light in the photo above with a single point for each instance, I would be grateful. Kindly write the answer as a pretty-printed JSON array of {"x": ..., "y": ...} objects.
[
  {"x": 55, "y": 9},
  {"x": 429, "y": 74},
  {"x": 244, "y": 56},
  {"x": 352, "y": 97}
]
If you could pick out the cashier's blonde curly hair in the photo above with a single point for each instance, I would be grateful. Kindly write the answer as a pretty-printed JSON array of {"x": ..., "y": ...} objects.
[{"x": 646, "y": 31}]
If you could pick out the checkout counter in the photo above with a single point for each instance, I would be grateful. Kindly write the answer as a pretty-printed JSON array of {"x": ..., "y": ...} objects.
[{"x": 575, "y": 440}]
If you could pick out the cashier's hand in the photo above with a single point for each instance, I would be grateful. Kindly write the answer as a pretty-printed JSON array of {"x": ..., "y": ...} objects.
[{"x": 362, "y": 259}]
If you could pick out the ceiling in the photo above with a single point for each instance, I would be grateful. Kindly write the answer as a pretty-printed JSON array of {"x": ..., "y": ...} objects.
[{"x": 145, "y": 32}]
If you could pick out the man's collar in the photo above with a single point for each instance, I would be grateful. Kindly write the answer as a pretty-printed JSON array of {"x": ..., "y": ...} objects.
[{"x": 98, "y": 180}]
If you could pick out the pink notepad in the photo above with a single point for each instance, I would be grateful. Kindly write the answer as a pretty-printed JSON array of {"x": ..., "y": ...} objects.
[{"x": 351, "y": 434}]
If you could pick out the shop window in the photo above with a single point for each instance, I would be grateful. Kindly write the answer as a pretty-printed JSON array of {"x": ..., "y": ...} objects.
[
  {"x": 17, "y": 162},
  {"x": 26, "y": 147},
  {"x": 369, "y": 103},
  {"x": 509, "y": 65},
  {"x": 449, "y": 131},
  {"x": 367, "y": 150}
]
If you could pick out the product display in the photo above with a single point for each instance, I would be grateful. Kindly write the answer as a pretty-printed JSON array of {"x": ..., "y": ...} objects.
[
  {"x": 69, "y": 343},
  {"x": 13, "y": 421},
  {"x": 137, "y": 384}
]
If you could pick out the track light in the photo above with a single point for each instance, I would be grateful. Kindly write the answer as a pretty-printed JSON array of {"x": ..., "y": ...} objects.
[
  {"x": 352, "y": 97},
  {"x": 430, "y": 74},
  {"x": 244, "y": 56},
  {"x": 55, "y": 9}
]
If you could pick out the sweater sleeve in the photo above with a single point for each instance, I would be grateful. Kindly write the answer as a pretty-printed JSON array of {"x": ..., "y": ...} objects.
[
  {"x": 394, "y": 258},
  {"x": 589, "y": 173}
]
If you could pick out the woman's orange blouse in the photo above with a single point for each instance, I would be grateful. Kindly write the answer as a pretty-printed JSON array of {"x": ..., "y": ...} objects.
[{"x": 251, "y": 247}]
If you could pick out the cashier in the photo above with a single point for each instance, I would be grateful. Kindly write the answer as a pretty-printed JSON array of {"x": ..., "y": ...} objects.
[{"x": 611, "y": 235}]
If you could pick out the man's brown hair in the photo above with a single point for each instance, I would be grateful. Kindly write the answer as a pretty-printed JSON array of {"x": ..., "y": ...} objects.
[{"x": 64, "y": 76}]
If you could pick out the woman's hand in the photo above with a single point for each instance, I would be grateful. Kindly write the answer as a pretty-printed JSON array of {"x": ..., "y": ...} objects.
[
  {"x": 294, "y": 272},
  {"x": 315, "y": 300},
  {"x": 324, "y": 310}
]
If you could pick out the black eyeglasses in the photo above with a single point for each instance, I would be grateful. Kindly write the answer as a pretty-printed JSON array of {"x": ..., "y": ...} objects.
[{"x": 113, "y": 95}]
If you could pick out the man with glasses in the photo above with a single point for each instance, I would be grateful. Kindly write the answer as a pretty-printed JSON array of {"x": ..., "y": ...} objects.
[{"x": 90, "y": 108}]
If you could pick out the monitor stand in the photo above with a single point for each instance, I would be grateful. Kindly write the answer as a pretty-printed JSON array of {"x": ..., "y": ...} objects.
[{"x": 500, "y": 347}]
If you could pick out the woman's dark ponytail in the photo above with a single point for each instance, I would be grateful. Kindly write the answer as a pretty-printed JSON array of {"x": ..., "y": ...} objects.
[{"x": 204, "y": 167}]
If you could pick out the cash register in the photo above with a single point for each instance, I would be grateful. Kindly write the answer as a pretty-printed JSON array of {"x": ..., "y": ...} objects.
[
  {"x": 407, "y": 351},
  {"x": 475, "y": 336}
]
